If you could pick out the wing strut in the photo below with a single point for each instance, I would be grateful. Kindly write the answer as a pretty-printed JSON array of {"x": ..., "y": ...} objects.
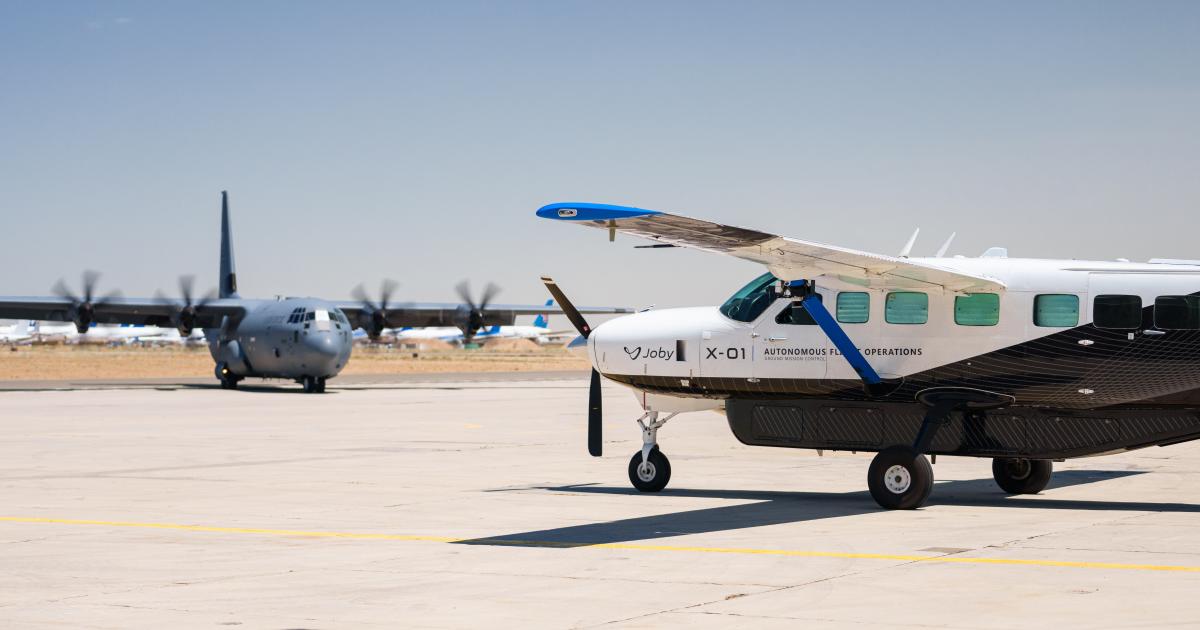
[{"x": 830, "y": 327}]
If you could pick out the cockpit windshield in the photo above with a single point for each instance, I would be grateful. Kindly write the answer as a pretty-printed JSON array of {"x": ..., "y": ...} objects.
[{"x": 754, "y": 298}]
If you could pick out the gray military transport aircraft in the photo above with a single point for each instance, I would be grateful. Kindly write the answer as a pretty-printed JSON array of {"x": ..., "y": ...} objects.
[{"x": 307, "y": 340}]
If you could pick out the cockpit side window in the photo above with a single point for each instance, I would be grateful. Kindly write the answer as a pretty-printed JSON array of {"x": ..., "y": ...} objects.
[{"x": 751, "y": 300}]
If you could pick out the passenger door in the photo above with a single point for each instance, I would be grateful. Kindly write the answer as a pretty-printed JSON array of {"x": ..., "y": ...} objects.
[{"x": 788, "y": 344}]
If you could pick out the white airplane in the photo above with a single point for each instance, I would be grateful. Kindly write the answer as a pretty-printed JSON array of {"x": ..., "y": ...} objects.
[
  {"x": 96, "y": 334},
  {"x": 1024, "y": 361},
  {"x": 18, "y": 333},
  {"x": 539, "y": 332}
]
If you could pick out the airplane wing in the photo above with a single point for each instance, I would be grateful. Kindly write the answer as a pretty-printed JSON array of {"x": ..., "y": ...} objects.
[
  {"x": 786, "y": 258},
  {"x": 147, "y": 311},
  {"x": 433, "y": 314}
]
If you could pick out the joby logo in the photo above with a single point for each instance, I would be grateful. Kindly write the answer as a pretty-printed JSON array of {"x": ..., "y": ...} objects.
[
  {"x": 568, "y": 212},
  {"x": 638, "y": 352}
]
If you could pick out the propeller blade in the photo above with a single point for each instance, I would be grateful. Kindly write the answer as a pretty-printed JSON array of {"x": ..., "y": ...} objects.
[
  {"x": 567, "y": 307},
  {"x": 186, "y": 283},
  {"x": 385, "y": 293},
  {"x": 90, "y": 278},
  {"x": 595, "y": 417},
  {"x": 60, "y": 289},
  {"x": 489, "y": 292},
  {"x": 464, "y": 293}
]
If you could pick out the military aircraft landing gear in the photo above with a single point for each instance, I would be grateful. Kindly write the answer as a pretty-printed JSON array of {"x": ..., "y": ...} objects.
[
  {"x": 228, "y": 379},
  {"x": 313, "y": 385},
  {"x": 649, "y": 469},
  {"x": 1018, "y": 475}
]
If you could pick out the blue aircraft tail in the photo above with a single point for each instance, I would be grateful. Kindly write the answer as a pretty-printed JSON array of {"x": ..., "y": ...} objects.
[{"x": 543, "y": 321}]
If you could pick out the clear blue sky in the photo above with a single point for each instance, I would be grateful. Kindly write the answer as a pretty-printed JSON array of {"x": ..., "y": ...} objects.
[{"x": 369, "y": 140}]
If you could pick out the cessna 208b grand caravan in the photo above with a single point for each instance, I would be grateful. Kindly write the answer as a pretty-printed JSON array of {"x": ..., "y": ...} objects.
[
  {"x": 303, "y": 339},
  {"x": 1024, "y": 361}
]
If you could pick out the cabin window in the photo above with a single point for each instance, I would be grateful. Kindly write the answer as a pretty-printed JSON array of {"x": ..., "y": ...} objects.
[
  {"x": 904, "y": 307},
  {"x": 853, "y": 307},
  {"x": 1177, "y": 312},
  {"x": 795, "y": 314},
  {"x": 977, "y": 309},
  {"x": 751, "y": 300},
  {"x": 1056, "y": 310},
  {"x": 1117, "y": 311}
]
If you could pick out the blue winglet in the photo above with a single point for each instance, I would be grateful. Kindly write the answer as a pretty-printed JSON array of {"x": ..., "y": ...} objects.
[
  {"x": 591, "y": 212},
  {"x": 841, "y": 340}
]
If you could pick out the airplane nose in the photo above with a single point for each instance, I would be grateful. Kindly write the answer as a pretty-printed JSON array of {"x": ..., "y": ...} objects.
[{"x": 323, "y": 343}]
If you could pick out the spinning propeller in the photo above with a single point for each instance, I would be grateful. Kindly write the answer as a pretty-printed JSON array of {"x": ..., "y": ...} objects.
[
  {"x": 471, "y": 313},
  {"x": 83, "y": 309},
  {"x": 374, "y": 314},
  {"x": 183, "y": 314},
  {"x": 595, "y": 413}
]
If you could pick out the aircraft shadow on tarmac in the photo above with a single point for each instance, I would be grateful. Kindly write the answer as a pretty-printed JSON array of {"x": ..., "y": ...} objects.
[{"x": 777, "y": 508}]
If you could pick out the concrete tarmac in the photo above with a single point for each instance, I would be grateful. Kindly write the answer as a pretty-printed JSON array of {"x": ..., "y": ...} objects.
[{"x": 458, "y": 504}]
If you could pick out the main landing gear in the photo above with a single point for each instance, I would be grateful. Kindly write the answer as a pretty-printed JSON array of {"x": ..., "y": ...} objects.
[
  {"x": 313, "y": 384},
  {"x": 649, "y": 469},
  {"x": 900, "y": 477}
]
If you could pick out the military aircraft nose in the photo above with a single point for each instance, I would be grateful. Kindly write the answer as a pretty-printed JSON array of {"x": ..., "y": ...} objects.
[{"x": 324, "y": 343}]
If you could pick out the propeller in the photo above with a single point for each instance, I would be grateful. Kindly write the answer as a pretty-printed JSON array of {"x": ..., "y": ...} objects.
[
  {"x": 373, "y": 318},
  {"x": 595, "y": 412},
  {"x": 183, "y": 313},
  {"x": 83, "y": 308},
  {"x": 471, "y": 314}
]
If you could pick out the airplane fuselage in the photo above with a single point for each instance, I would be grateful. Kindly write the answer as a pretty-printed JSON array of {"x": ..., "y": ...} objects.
[
  {"x": 1096, "y": 356},
  {"x": 289, "y": 338}
]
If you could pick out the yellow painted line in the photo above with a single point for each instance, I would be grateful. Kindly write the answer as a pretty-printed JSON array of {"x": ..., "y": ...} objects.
[{"x": 624, "y": 546}]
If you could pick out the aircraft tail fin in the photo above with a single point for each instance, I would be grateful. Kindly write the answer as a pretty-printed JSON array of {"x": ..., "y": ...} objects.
[
  {"x": 228, "y": 278},
  {"x": 543, "y": 320}
]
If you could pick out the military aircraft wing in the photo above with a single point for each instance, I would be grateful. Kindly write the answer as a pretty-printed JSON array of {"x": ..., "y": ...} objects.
[
  {"x": 115, "y": 310},
  {"x": 434, "y": 314},
  {"x": 787, "y": 258}
]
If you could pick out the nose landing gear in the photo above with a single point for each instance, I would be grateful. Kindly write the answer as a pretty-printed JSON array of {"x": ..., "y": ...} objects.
[{"x": 649, "y": 469}]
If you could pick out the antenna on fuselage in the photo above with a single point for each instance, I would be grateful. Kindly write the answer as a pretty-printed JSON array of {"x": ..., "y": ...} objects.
[
  {"x": 227, "y": 280},
  {"x": 945, "y": 246},
  {"x": 909, "y": 245}
]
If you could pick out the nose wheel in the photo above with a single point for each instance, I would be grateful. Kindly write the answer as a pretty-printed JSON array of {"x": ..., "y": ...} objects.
[
  {"x": 650, "y": 474},
  {"x": 649, "y": 469}
]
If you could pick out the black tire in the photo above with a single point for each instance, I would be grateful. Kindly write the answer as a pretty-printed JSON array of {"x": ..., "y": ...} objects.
[
  {"x": 656, "y": 476},
  {"x": 321, "y": 386},
  {"x": 900, "y": 478},
  {"x": 1018, "y": 475},
  {"x": 310, "y": 384},
  {"x": 229, "y": 383}
]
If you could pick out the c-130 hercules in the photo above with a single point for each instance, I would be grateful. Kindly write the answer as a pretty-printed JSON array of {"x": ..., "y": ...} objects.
[{"x": 307, "y": 340}]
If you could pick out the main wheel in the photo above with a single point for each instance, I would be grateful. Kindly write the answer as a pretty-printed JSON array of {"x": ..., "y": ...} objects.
[
  {"x": 900, "y": 478},
  {"x": 651, "y": 476},
  {"x": 1022, "y": 476}
]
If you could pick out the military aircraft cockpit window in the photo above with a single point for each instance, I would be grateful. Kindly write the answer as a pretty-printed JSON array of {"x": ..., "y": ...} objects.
[
  {"x": 906, "y": 307},
  {"x": 1058, "y": 310},
  {"x": 322, "y": 315},
  {"x": 796, "y": 315},
  {"x": 1122, "y": 312},
  {"x": 751, "y": 300},
  {"x": 853, "y": 307},
  {"x": 977, "y": 309},
  {"x": 1177, "y": 312}
]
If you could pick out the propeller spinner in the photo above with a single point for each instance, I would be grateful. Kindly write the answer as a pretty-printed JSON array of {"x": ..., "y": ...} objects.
[{"x": 83, "y": 308}]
